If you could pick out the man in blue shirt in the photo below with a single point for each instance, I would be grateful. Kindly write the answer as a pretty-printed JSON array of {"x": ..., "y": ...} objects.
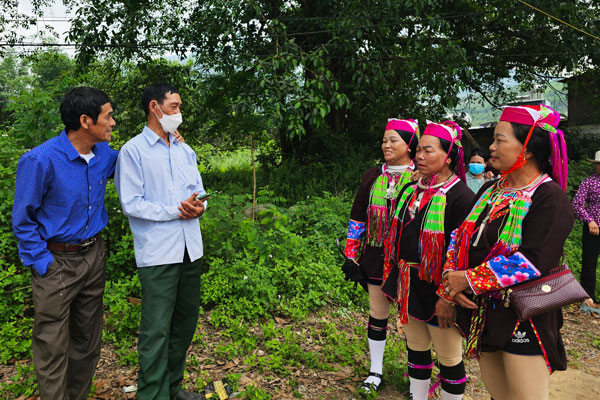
[
  {"x": 157, "y": 180},
  {"x": 57, "y": 215}
]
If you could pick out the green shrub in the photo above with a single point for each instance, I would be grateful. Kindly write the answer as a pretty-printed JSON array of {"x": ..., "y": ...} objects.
[
  {"x": 122, "y": 317},
  {"x": 15, "y": 286},
  {"x": 120, "y": 261},
  {"x": 294, "y": 180},
  {"x": 284, "y": 263},
  {"x": 22, "y": 385},
  {"x": 581, "y": 145}
]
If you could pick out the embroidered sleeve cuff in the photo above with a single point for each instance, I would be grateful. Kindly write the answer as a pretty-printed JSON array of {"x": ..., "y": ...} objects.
[
  {"x": 449, "y": 265},
  {"x": 442, "y": 294},
  {"x": 452, "y": 244},
  {"x": 356, "y": 230},
  {"x": 501, "y": 272},
  {"x": 352, "y": 246},
  {"x": 513, "y": 269},
  {"x": 481, "y": 279}
]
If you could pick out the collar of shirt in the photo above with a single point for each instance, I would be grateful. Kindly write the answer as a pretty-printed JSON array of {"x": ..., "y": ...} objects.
[
  {"x": 152, "y": 137},
  {"x": 64, "y": 145}
]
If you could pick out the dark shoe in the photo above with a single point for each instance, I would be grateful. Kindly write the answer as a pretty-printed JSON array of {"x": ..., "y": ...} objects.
[
  {"x": 188, "y": 396},
  {"x": 367, "y": 388}
]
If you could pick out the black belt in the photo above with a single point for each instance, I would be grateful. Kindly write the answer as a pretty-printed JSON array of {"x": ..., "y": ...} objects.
[{"x": 72, "y": 247}]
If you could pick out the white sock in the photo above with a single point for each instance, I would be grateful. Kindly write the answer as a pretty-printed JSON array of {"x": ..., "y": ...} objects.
[
  {"x": 376, "y": 348},
  {"x": 450, "y": 396},
  {"x": 419, "y": 388}
]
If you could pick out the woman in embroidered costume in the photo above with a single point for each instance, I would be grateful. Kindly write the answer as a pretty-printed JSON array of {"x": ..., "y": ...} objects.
[
  {"x": 427, "y": 212},
  {"x": 515, "y": 232},
  {"x": 369, "y": 219}
]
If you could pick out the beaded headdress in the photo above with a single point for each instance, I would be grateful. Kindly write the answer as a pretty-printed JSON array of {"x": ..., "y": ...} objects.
[
  {"x": 450, "y": 131},
  {"x": 409, "y": 125},
  {"x": 544, "y": 117}
]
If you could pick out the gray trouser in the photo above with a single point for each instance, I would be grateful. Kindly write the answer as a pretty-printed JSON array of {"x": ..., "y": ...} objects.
[{"x": 67, "y": 328}]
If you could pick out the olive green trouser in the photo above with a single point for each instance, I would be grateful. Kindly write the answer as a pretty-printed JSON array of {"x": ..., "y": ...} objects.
[
  {"x": 67, "y": 327},
  {"x": 170, "y": 303}
]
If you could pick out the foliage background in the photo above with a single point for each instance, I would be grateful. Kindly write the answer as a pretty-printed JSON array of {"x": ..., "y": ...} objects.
[{"x": 312, "y": 82}]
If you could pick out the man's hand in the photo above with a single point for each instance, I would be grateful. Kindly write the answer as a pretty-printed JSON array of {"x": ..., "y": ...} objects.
[
  {"x": 178, "y": 136},
  {"x": 593, "y": 228},
  {"x": 191, "y": 208},
  {"x": 446, "y": 314}
]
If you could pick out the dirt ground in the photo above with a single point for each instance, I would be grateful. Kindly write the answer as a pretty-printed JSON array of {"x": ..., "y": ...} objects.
[{"x": 581, "y": 334}]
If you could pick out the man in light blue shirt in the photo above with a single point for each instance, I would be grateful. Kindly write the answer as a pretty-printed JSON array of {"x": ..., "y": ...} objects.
[{"x": 157, "y": 180}]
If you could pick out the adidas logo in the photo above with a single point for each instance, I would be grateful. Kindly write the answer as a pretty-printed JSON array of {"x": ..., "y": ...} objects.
[{"x": 519, "y": 337}]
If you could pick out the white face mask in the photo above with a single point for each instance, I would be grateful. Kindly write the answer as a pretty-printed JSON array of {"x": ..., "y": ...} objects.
[{"x": 169, "y": 123}]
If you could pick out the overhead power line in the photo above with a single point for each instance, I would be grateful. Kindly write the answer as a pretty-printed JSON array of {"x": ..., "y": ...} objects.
[
  {"x": 175, "y": 45},
  {"x": 559, "y": 20},
  {"x": 301, "y": 18},
  {"x": 164, "y": 45},
  {"x": 41, "y": 19}
]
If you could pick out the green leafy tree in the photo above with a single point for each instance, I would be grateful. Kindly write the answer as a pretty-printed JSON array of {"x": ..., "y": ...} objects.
[
  {"x": 13, "y": 23},
  {"x": 32, "y": 88},
  {"x": 33, "y": 107},
  {"x": 125, "y": 81},
  {"x": 14, "y": 77},
  {"x": 320, "y": 73}
]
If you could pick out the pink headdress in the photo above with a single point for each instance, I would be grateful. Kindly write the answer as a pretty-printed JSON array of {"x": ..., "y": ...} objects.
[
  {"x": 408, "y": 125},
  {"x": 544, "y": 117},
  {"x": 450, "y": 131}
]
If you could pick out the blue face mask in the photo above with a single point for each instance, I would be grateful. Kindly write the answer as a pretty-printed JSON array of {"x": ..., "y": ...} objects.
[{"x": 476, "y": 168}]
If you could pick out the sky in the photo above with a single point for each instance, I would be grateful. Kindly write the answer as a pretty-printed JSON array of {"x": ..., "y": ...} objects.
[{"x": 55, "y": 16}]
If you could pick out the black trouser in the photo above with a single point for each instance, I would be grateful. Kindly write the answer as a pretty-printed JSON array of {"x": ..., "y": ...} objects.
[{"x": 590, "y": 249}]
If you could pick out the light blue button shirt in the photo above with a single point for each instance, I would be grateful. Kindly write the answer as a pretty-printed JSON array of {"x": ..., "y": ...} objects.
[{"x": 152, "y": 179}]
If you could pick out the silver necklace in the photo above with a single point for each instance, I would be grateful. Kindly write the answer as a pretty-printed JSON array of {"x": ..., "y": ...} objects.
[
  {"x": 394, "y": 171},
  {"x": 436, "y": 186}
]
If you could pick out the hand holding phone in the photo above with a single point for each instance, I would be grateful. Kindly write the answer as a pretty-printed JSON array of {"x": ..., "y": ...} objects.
[{"x": 203, "y": 196}]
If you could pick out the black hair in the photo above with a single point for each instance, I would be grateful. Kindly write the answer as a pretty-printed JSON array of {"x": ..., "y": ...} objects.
[
  {"x": 412, "y": 145},
  {"x": 538, "y": 145},
  {"x": 453, "y": 155},
  {"x": 158, "y": 92},
  {"x": 80, "y": 101},
  {"x": 481, "y": 153}
]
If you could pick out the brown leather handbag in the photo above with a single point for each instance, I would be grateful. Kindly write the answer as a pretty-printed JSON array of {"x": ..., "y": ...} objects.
[{"x": 555, "y": 290}]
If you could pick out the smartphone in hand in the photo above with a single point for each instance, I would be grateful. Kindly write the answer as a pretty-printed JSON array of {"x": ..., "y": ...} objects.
[{"x": 203, "y": 196}]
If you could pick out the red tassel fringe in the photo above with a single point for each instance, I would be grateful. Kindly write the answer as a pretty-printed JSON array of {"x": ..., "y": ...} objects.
[{"x": 432, "y": 251}]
